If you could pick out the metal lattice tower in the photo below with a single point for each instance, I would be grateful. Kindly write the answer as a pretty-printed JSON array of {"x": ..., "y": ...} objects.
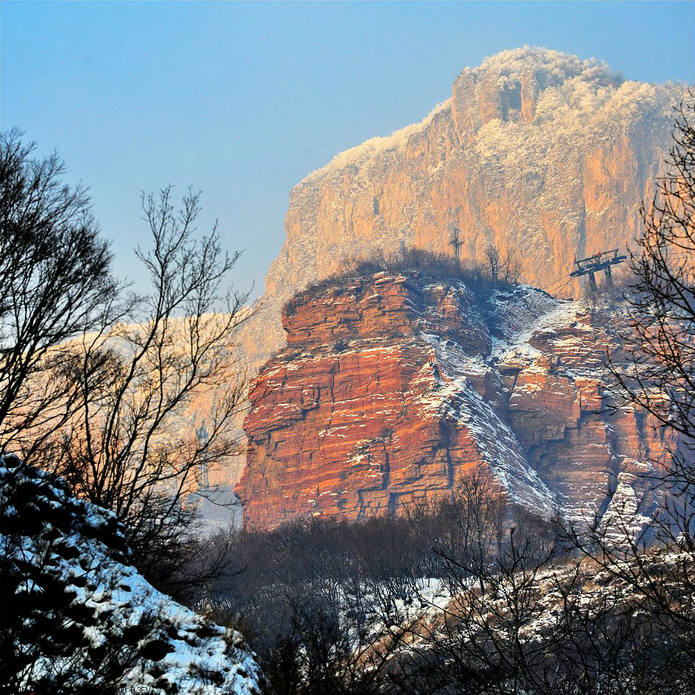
[{"x": 593, "y": 264}]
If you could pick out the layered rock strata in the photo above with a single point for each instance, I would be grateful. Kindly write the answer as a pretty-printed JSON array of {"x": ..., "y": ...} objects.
[{"x": 394, "y": 387}]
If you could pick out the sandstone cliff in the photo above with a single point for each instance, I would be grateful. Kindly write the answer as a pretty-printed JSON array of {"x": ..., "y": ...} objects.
[
  {"x": 393, "y": 387},
  {"x": 535, "y": 150}
]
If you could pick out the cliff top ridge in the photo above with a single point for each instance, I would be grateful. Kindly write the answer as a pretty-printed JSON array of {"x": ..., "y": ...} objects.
[
  {"x": 411, "y": 263},
  {"x": 572, "y": 86}
]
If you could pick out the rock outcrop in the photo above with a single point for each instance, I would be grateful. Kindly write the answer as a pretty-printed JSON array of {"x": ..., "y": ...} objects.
[
  {"x": 393, "y": 387},
  {"x": 538, "y": 152},
  {"x": 542, "y": 154}
]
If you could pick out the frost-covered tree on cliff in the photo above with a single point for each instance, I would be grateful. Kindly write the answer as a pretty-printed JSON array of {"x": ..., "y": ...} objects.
[
  {"x": 56, "y": 281},
  {"x": 657, "y": 377}
]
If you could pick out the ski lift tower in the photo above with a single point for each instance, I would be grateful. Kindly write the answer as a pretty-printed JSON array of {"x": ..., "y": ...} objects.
[{"x": 603, "y": 260}]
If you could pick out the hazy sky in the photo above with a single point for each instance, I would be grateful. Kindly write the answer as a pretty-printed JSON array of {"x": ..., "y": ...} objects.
[{"x": 242, "y": 100}]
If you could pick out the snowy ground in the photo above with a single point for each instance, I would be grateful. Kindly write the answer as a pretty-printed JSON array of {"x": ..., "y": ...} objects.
[{"x": 52, "y": 539}]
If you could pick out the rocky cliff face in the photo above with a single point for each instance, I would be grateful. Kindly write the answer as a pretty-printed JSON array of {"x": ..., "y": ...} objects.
[
  {"x": 538, "y": 152},
  {"x": 393, "y": 387},
  {"x": 535, "y": 151}
]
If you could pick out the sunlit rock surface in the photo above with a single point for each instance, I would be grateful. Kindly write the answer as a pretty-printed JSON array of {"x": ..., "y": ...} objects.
[
  {"x": 394, "y": 387},
  {"x": 535, "y": 151}
]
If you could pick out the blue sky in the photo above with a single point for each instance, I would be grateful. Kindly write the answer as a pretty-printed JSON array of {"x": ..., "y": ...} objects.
[{"x": 242, "y": 100}]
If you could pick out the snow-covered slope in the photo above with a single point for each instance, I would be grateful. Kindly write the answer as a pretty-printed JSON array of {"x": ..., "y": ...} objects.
[{"x": 77, "y": 616}]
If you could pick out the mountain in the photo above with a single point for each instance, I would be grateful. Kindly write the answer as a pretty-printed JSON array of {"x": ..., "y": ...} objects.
[
  {"x": 394, "y": 386},
  {"x": 78, "y": 617},
  {"x": 536, "y": 151}
]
